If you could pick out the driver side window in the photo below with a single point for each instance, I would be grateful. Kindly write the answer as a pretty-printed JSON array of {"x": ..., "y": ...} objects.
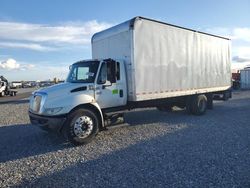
[{"x": 102, "y": 78}]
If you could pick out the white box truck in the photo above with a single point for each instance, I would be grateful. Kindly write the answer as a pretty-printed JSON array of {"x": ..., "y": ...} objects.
[{"x": 139, "y": 63}]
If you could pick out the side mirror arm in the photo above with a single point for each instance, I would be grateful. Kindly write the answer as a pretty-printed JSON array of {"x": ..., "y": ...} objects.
[{"x": 104, "y": 86}]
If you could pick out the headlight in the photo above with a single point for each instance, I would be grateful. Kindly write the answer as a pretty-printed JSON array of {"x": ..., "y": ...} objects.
[{"x": 52, "y": 111}]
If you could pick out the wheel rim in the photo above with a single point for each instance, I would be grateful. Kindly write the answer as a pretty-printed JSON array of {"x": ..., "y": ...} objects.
[{"x": 83, "y": 126}]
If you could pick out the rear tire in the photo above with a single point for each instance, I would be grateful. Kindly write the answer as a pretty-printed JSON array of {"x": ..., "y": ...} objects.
[
  {"x": 197, "y": 105},
  {"x": 82, "y": 126}
]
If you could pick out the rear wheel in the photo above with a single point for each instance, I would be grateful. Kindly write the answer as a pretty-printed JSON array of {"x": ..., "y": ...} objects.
[
  {"x": 81, "y": 126},
  {"x": 197, "y": 105}
]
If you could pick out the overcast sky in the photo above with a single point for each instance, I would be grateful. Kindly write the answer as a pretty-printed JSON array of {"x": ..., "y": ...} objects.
[{"x": 39, "y": 39}]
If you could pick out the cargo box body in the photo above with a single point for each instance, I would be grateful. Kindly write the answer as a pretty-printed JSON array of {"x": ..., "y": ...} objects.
[{"x": 164, "y": 60}]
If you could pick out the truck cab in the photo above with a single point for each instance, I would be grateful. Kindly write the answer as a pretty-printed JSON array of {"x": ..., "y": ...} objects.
[
  {"x": 4, "y": 88},
  {"x": 91, "y": 86}
]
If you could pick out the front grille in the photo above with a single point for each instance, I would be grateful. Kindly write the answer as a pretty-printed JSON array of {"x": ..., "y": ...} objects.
[{"x": 36, "y": 103}]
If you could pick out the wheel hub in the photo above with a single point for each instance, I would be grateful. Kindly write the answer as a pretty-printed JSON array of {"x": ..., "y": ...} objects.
[{"x": 83, "y": 126}]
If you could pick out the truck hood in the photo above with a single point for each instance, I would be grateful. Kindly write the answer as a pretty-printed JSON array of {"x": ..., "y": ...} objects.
[{"x": 64, "y": 88}]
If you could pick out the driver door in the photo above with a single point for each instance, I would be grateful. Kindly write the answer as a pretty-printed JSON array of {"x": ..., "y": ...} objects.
[{"x": 109, "y": 92}]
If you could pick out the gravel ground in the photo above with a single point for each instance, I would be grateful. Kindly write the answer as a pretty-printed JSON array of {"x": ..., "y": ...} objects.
[{"x": 154, "y": 149}]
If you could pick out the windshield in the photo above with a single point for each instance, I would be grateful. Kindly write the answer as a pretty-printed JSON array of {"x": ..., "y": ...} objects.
[{"x": 83, "y": 72}]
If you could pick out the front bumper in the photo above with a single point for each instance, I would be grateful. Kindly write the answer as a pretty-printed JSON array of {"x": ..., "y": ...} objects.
[{"x": 48, "y": 122}]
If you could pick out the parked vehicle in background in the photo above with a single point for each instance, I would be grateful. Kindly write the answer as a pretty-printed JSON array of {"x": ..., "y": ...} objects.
[
  {"x": 16, "y": 84},
  {"x": 245, "y": 78},
  {"x": 5, "y": 88},
  {"x": 139, "y": 63},
  {"x": 236, "y": 80},
  {"x": 46, "y": 83}
]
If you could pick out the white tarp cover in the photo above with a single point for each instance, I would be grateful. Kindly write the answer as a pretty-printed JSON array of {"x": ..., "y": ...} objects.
[{"x": 166, "y": 61}]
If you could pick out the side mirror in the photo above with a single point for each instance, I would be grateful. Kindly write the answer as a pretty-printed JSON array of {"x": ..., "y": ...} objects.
[
  {"x": 102, "y": 78},
  {"x": 107, "y": 73},
  {"x": 70, "y": 67}
]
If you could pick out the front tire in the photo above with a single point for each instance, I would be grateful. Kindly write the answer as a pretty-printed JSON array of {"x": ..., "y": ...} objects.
[{"x": 82, "y": 126}]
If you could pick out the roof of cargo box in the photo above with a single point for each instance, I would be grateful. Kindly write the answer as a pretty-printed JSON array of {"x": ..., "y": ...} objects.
[{"x": 130, "y": 25}]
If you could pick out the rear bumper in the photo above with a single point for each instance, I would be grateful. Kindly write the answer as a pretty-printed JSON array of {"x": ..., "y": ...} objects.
[{"x": 47, "y": 122}]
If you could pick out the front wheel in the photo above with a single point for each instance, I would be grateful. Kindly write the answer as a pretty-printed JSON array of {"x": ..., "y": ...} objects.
[{"x": 82, "y": 126}]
